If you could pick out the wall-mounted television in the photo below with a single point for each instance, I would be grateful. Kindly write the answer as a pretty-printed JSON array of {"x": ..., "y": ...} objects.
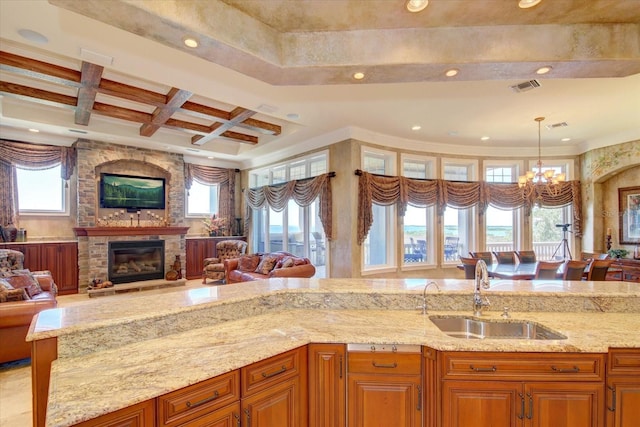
[{"x": 131, "y": 192}]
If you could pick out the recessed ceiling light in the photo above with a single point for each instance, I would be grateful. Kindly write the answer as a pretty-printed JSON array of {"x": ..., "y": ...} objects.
[
  {"x": 210, "y": 157},
  {"x": 190, "y": 42},
  {"x": 565, "y": 139},
  {"x": 452, "y": 72},
  {"x": 416, "y": 127},
  {"x": 485, "y": 138},
  {"x": 34, "y": 130},
  {"x": 544, "y": 70},
  {"x": 33, "y": 36},
  {"x": 525, "y": 4},
  {"x": 358, "y": 76},
  {"x": 416, "y": 5}
]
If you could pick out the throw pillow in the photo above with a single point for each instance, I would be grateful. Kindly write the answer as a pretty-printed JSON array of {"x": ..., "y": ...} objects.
[
  {"x": 287, "y": 262},
  {"x": 248, "y": 263},
  {"x": 9, "y": 293},
  {"x": 267, "y": 264},
  {"x": 23, "y": 279}
]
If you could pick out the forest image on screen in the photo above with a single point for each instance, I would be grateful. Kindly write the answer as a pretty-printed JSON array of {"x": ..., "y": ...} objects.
[{"x": 131, "y": 192}]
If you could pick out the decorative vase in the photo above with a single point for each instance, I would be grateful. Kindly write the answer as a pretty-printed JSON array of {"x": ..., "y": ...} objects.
[
  {"x": 10, "y": 232},
  {"x": 177, "y": 266}
]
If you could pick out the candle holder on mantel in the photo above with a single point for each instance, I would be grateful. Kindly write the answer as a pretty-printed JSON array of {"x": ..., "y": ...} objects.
[{"x": 608, "y": 242}]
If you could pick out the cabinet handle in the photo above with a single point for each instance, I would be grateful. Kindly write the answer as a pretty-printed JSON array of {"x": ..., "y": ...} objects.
[
  {"x": 419, "y": 408},
  {"x": 246, "y": 412},
  {"x": 612, "y": 408},
  {"x": 340, "y": 367},
  {"x": 530, "y": 414},
  {"x": 279, "y": 371},
  {"x": 565, "y": 371},
  {"x": 521, "y": 414},
  {"x": 491, "y": 369},
  {"x": 384, "y": 365},
  {"x": 203, "y": 401},
  {"x": 238, "y": 420}
]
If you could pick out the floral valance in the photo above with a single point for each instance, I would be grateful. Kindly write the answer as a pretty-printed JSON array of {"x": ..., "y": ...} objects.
[
  {"x": 403, "y": 191},
  {"x": 303, "y": 192},
  {"x": 225, "y": 178}
]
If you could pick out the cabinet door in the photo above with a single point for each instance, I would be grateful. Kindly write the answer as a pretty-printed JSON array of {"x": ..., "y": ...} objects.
[
  {"x": 564, "y": 404},
  {"x": 482, "y": 404},
  {"x": 623, "y": 406},
  {"x": 327, "y": 385},
  {"x": 384, "y": 400},
  {"x": 229, "y": 416},
  {"x": 277, "y": 406},
  {"x": 31, "y": 254},
  {"x": 62, "y": 260},
  {"x": 194, "y": 257}
]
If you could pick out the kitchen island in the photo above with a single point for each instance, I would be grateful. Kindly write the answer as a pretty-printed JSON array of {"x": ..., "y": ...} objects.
[{"x": 156, "y": 344}]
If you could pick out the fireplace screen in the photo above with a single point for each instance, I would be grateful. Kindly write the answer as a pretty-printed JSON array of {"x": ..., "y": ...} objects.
[{"x": 136, "y": 261}]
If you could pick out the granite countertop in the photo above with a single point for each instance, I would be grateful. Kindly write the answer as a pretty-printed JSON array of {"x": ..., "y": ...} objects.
[{"x": 156, "y": 344}]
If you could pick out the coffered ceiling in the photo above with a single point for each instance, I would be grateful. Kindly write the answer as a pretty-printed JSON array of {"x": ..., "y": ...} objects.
[{"x": 271, "y": 78}]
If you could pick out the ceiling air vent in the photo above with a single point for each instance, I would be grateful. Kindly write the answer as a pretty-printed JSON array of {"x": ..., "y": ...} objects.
[
  {"x": 525, "y": 86},
  {"x": 557, "y": 125}
]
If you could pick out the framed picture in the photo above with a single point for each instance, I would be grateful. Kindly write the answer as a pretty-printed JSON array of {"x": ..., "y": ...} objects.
[{"x": 629, "y": 205}]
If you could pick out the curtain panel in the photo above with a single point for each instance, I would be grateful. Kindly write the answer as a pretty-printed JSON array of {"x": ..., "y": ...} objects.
[
  {"x": 403, "y": 191},
  {"x": 28, "y": 156},
  {"x": 303, "y": 192},
  {"x": 225, "y": 178}
]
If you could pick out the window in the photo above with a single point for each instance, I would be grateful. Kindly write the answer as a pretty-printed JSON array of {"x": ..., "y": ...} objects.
[
  {"x": 41, "y": 191},
  {"x": 548, "y": 238},
  {"x": 378, "y": 247},
  {"x": 202, "y": 199},
  {"x": 459, "y": 230},
  {"x": 419, "y": 223},
  {"x": 501, "y": 231},
  {"x": 295, "y": 229}
]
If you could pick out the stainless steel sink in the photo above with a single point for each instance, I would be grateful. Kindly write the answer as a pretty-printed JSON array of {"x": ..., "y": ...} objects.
[{"x": 474, "y": 328}]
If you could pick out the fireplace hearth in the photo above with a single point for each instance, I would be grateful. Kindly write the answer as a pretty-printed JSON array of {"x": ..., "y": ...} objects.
[{"x": 132, "y": 261}]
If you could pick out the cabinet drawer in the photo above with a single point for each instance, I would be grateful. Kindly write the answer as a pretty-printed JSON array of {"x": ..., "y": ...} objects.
[
  {"x": 624, "y": 361},
  {"x": 265, "y": 373},
  {"x": 196, "y": 400},
  {"x": 384, "y": 363},
  {"x": 519, "y": 366}
]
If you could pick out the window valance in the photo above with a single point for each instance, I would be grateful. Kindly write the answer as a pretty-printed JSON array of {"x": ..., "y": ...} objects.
[
  {"x": 225, "y": 178},
  {"x": 29, "y": 156},
  {"x": 303, "y": 192},
  {"x": 403, "y": 191}
]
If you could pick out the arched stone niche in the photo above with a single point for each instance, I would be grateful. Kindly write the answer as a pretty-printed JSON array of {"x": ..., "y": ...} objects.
[{"x": 603, "y": 172}]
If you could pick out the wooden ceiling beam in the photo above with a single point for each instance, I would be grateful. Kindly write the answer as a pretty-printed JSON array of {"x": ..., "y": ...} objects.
[
  {"x": 90, "y": 79},
  {"x": 121, "y": 113},
  {"x": 37, "y": 95},
  {"x": 39, "y": 70},
  {"x": 175, "y": 99},
  {"x": 132, "y": 93}
]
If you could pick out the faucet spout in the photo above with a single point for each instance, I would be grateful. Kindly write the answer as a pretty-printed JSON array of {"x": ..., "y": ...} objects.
[
  {"x": 481, "y": 282},
  {"x": 424, "y": 295}
]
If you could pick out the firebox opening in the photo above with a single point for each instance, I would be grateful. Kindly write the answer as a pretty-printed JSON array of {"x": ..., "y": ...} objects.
[{"x": 134, "y": 261}]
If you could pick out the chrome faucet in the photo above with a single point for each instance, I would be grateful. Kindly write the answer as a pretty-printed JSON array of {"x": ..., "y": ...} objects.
[
  {"x": 424, "y": 295},
  {"x": 482, "y": 281}
]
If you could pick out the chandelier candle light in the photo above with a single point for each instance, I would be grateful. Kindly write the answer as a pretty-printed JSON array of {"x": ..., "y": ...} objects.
[{"x": 539, "y": 179}]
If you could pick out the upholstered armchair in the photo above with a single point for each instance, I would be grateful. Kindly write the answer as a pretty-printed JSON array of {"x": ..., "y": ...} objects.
[{"x": 225, "y": 249}]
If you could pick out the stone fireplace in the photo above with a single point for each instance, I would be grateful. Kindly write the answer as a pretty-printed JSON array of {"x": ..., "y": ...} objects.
[
  {"x": 96, "y": 238},
  {"x": 135, "y": 260}
]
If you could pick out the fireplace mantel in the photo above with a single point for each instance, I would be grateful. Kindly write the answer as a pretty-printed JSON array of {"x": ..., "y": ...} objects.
[{"x": 129, "y": 231}]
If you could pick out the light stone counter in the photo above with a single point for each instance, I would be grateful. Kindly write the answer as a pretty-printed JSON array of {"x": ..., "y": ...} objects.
[{"x": 156, "y": 344}]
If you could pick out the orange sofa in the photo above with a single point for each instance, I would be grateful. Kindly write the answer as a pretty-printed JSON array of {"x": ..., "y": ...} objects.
[
  {"x": 24, "y": 301},
  {"x": 267, "y": 265}
]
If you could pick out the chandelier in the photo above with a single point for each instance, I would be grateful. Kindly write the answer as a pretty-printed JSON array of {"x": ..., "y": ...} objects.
[{"x": 537, "y": 181}]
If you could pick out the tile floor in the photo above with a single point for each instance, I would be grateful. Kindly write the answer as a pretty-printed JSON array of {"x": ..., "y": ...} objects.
[{"x": 15, "y": 377}]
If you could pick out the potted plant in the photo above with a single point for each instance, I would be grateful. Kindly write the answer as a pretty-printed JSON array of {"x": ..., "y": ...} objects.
[
  {"x": 214, "y": 225},
  {"x": 618, "y": 253}
]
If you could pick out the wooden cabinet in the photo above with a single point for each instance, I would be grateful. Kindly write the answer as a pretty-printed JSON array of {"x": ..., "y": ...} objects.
[
  {"x": 61, "y": 258},
  {"x": 274, "y": 391},
  {"x": 384, "y": 387},
  {"x": 528, "y": 389},
  {"x": 140, "y": 415},
  {"x": 623, "y": 387},
  {"x": 198, "y": 404},
  {"x": 197, "y": 249},
  {"x": 327, "y": 385}
]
